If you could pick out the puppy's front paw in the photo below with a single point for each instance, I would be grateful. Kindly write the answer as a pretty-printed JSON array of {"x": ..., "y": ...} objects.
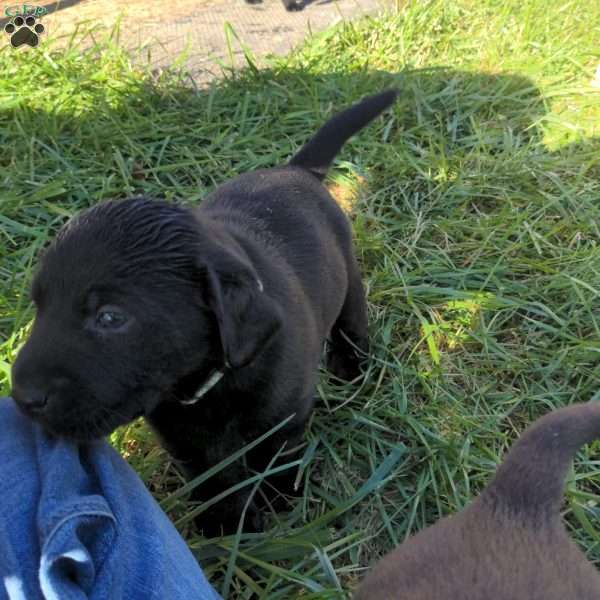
[{"x": 224, "y": 519}]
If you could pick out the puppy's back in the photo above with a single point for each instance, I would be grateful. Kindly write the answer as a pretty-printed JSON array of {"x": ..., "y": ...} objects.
[{"x": 510, "y": 543}]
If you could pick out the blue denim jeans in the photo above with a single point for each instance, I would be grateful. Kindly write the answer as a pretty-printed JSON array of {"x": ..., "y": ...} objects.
[{"x": 76, "y": 523}]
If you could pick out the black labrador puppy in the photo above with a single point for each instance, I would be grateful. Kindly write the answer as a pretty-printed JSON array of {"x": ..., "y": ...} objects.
[{"x": 209, "y": 322}]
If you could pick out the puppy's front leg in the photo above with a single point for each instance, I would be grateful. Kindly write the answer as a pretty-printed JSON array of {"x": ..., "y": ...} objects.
[{"x": 224, "y": 517}]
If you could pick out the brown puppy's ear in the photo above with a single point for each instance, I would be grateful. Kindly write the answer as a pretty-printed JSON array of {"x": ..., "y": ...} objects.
[{"x": 247, "y": 317}]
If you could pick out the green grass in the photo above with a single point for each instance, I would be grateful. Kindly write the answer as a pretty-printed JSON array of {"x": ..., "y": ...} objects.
[{"x": 477, "y": 227}]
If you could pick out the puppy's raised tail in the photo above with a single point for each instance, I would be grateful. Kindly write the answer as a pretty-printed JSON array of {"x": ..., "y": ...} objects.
[
  {"x": 530, "y": 481},
  {"x": 318, "y": 153}
]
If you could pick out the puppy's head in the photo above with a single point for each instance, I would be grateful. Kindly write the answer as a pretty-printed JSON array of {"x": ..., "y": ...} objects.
[{"x": 131, "y": 297}]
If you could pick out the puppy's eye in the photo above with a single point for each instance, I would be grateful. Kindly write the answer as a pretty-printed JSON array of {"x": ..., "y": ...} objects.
[{"x": 110, "y": 318}]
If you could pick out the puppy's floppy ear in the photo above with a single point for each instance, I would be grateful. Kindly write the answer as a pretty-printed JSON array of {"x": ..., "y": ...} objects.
[{"x": 247, "y": 317}]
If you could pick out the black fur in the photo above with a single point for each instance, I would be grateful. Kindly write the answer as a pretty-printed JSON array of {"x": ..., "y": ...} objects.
[{"x": 139, "y": 301}]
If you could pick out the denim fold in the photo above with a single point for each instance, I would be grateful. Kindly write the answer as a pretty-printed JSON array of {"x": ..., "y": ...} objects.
[{"x": 76, "y": 523}]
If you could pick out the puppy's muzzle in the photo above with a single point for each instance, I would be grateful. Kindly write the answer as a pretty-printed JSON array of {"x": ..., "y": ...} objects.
[{"x": 37, "y": 397}]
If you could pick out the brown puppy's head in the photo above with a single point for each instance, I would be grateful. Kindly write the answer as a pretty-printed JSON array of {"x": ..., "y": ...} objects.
[{"x": 131, "y": 297}]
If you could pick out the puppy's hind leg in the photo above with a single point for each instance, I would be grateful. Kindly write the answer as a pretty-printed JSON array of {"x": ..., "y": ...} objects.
[{"x": 349, "y": 339}]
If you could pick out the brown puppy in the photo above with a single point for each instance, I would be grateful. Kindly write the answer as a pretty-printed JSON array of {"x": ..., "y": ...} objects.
[{"x": 510, "y": 543}]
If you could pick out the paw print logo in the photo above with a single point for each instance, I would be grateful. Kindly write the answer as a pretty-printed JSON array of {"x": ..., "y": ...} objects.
[{"x": 24, "y": 30}]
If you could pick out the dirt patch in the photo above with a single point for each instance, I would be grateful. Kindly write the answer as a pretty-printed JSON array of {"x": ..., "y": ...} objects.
[{"x": 165, "y": 30}]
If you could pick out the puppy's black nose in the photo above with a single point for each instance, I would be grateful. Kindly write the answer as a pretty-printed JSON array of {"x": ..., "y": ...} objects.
[
  {"x": 31, "y": 399},
  {"x": 38, "y": 394}
]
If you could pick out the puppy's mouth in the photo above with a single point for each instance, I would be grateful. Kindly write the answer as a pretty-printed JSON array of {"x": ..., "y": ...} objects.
[
  {"x": 85, "y": 431},
  {"x": 92, "y": 426}
]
